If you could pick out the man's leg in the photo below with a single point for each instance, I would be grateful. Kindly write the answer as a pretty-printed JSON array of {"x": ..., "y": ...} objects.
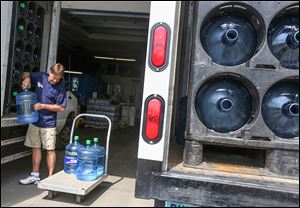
[
  {"x": 36, "y": 159},
  {"x": 33, "y": 140},
  {"x": 48, "y": 141},
  {"x": 51, "y": 159}
]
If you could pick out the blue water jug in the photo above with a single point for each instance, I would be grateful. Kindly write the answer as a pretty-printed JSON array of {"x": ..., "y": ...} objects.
[
  {"x": 283, "y": 40},
  {"x": 87, "y": 163},
  {"x": 70, "y": 160},
  {"x": 280, "y": 109},
  {"x": 229, "y": 40},
  {"x": 223, "y": 104},
  {"x": 100, "y": 151},
  {"x": 25, "y": 112}
]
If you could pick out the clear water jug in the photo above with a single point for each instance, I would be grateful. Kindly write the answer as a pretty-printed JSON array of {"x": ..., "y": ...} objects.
[
  {"x": 70, "y": 160},
  {"x": 87, "y": 163},
  {"x": 25, "y": 112},
  {"x": 100, "y": 151}
]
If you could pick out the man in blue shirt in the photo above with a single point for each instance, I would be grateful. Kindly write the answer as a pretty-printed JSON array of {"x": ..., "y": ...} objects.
[{"x": 51, "y": 96}]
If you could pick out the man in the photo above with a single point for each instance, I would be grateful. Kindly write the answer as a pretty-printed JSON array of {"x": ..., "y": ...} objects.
[{"x": 51, "y": 96}]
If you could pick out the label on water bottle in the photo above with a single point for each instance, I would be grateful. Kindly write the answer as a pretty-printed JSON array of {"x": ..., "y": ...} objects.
[{"x": 70, "y": 160}]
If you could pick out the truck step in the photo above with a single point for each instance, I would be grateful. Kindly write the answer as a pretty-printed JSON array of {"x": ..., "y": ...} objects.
[
  {"x": 15, "y": 156},
  {"x": 12, "y": 141}
]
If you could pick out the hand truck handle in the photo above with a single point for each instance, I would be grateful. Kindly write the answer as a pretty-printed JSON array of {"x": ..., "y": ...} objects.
[{"x": 108, "y": 133}]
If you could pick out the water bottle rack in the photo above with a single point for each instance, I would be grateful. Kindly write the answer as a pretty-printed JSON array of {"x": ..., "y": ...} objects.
[
  {"x": 28, "y": 33},
  {"x": 258, "y": 74},
  {"x": 67, "y": 183}
]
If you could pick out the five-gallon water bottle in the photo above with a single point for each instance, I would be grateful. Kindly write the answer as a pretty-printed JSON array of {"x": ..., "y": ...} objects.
[
  {"x": 280, "y": 109},
  {"x": 100, "y": 151},
  {"x": 229, "y": 40},
  {"x": 70, "y": 160},
  {"x": 283, "y": 40},
  {"x": 223, "y": 104},
  {"x": 87, "y": 163},
  {"x": 25, "y": 112}
]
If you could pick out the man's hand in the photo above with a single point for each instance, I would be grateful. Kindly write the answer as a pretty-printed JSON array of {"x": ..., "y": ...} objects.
[
  {"x": 38, "y": 106},
  {"x": 26, "y": 83}
]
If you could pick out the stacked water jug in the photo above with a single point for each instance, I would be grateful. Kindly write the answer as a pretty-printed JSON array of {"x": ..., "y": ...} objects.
[
  {"x": 86, "y": 162},
  {"x": 70, "y": 160}
]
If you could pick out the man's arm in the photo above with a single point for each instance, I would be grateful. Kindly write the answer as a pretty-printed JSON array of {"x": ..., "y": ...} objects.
[{"x": 50, "y": 107}]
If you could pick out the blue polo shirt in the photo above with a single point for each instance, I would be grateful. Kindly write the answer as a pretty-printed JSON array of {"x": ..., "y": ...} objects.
[{"x": 47, "y": 94}]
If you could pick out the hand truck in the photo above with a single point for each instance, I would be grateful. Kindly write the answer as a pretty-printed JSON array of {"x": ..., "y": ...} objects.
[{"x": 64, "y": 182}]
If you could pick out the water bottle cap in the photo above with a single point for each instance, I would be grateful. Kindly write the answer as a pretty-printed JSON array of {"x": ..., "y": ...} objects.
[
  {"x": 22, "y": 5},
  {"x": 88, "y": 142},
  {"x": 21, "y": 27},
  {"x": 96, "y": 139},
  {"x": 76, "y": 138},
  {"x": 15, "y": 94}
]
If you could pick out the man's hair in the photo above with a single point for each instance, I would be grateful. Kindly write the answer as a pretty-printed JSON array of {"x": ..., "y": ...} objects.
[{"x": 57, "y": 69}]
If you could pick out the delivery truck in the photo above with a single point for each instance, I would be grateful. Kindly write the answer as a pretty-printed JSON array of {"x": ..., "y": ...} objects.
[{"x": 237, "y": 66}]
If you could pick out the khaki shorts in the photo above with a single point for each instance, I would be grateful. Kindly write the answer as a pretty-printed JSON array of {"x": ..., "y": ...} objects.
[{"x": 36, "y": 136}]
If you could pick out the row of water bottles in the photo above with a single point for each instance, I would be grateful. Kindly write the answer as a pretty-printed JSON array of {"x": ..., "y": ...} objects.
[{"x": 86, "y": 162}]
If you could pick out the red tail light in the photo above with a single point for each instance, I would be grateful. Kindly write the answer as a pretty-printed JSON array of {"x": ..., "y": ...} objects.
[
  {"x": 153, "y": 119},
  {"x": 159, "y": 47}
]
